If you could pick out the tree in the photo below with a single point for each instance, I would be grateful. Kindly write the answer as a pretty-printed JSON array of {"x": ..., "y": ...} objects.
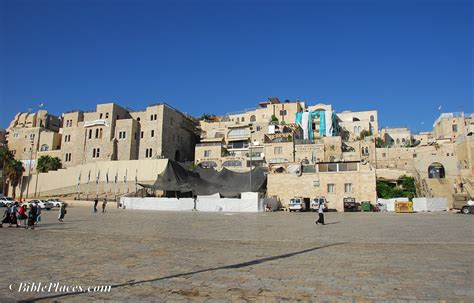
[
  {"x": 47, "y": 163},
  {"x": 5, "y": 156},
  {"x": 387, "y": 190},
  {"x": 206, "y": 116},
  {"x": 14, "y": 171},
  {"x": 379, "y": 142},
  {"x": 274, "y": 118},
  {"x": 364, "y": 133}
]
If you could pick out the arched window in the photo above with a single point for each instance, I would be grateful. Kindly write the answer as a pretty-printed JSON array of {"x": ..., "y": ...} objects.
[
  {"x": 366, "y": 150},
  {"x": 398, "y": 141},
  {"x": 436, "y": 171},
  {"x": 44, "y": 147},
  {"x": 232, "y": 163},
  {"x": 253, "y": 118},
  {"x": 372, "y": 118},
  {"x": 403, "y": 140}
]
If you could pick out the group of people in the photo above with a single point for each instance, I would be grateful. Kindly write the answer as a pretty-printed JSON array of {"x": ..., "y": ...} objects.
[
  {"x": 15, "y": 214},
  {"x": 96, "y": 202}
]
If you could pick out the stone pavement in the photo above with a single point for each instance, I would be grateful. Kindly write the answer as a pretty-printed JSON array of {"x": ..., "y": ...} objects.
[{"x": 193, "y": 256}]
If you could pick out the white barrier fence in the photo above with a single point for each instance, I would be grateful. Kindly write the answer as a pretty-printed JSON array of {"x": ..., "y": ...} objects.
[
  {"x": 249, "y": 202},
  {"x": 430, "y": 204}
]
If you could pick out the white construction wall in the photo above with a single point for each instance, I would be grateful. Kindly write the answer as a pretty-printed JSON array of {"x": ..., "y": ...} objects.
[
  {"x": 173, "y": 204},
  {"x": 390, "y": 203},
  {"x": 214, "y": 203},
  {"x": 430, "y": 204},
  {"x": 249, "y": 202}
]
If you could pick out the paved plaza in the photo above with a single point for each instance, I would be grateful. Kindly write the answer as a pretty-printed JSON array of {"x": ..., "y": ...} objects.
[{"x": 195, "y": 256}]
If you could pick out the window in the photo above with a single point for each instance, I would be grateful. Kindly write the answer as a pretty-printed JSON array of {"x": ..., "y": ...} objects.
[
  {"x": 331, "y": 188},
  {"x": 138, "y": 119},
  {"x": 207, "y": 153},
  {"x": 253, "y": 118},
  {"x": 278, "y": 150},
  {"x": 152, "y": 133},
  {"x": 259, "y": 128},
  {"x": 100, "y": 116},
  {"x": 122, "y": 135},
  {"x": 44, "y": 147},
  {"x": 155, "y": 116},
  {"x": 347, "y": 187},
  {"x": 243, "y": 119},
  {"x": 151, "y": 117},
  {"x": 283, "y": 113},
  {"x": 68, "y": 157},
  {"x": 96, "y": 153},
  {"x": 148, "y": 153},
  {"x": 455, "y": 128},
  {"x": 90, "y": 133},
  {"x": 384, "y": 155},
  {"x": 141, "y": 135},
  {"x": 398, "y": 141},
  {"x": 15, "y": 135},
  {"x": 100, "y": 133},
  {"x": 238, "y": 132},
  {"x": 372, "y": 118},
  {"x": 106, "y": 115},
  {"x": 97, "y": 133},
  {"x": 32, "y": 136}
]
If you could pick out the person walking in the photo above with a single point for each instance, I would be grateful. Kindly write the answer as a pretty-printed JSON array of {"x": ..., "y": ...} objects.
[
  {"x": 38, "y": 213},
  {"x": 22, "y": 215},
  {"x": 13, "y": 210},
  {"x": 32, "y": 216},
  {"x": 62, "y": 212},
  {"x": 321, "y": 207},
  {"x": 96, "y": 201},
  {"x": 104, "y": 204}
]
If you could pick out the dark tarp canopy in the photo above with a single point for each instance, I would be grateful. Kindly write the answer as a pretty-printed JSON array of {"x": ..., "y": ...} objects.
[{"x": 207, "y": 181}]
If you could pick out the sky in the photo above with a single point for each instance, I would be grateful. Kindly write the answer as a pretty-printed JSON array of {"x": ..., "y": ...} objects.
[{"x": 410, "y": 60}]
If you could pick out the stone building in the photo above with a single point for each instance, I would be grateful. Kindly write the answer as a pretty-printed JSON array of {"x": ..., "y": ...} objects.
[
  {"x": 112, "y": 132},
  {"x": 30, "y": 133},
  {"x": 353, "y": 123},
  {"x": 109, "y": 133},
  {"x": 396, "y": 136},
  {"x": 453, "y": 125},
  {"x": 334, "y": 181}
]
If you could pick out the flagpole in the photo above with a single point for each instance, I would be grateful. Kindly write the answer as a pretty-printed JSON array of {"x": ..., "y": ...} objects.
[
  {"x": 79, "y": 187},
  {"x": 97, "y": 184},
  {"x": 115, "y": 186},
  {"x": 106, "y": 183},
  {"x": 136, "y": 180},
  {"x": 88, "y": 182},
  {"x": 125, "y": 182}
]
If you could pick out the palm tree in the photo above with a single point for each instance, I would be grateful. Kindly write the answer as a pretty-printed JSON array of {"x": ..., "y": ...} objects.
[
  {"x": 14, "y": 171},
  {"x": 5, "y": 156}
]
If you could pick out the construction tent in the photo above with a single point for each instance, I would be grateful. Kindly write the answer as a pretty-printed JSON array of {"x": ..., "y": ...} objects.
[{"x": 206, "y": 181}]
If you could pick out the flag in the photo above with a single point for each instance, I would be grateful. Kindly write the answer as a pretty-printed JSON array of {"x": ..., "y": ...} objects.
[
  {"x": 115, "y": 178},
  {"x": 97, "y": 178},
  {"x": 125, "y": 177},
  {"x": 107, "y": 177},
  {"x": 79, "y": 179},
  {"x": 136, "y": 173},
  {"x": 89, "y": 177}
]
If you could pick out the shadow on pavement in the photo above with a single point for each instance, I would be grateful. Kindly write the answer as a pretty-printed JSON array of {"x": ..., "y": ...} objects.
[{"x": 232, "y": 266}]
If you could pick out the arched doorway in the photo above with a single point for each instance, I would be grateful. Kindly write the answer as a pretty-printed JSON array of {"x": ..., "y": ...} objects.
[
  {"x": 176, "y": 156},
  {"x": 436, "y": 171}
]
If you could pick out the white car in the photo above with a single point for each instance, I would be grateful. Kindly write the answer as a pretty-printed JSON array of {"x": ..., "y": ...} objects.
[
  {"x": 5, "y": 201},
  {"x": 315, "y": 203},
  {"x": 296, "y": 204},
  {"x": 56, "y": 202},
  {"x": 43, "y": 204}
]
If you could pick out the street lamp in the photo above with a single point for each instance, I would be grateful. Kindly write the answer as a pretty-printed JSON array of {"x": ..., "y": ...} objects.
[{"x": 32, "y": 141}]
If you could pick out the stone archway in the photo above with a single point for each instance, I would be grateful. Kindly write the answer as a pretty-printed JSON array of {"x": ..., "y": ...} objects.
[{"x": 436, "y": 171}]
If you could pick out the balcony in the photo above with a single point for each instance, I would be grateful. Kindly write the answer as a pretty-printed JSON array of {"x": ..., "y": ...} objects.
[{"x": 98, "y": 122}]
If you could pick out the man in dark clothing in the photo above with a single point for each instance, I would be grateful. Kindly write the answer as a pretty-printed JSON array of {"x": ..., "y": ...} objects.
[
  {"x": 96, "y": 201},
  {"x": 104, "y": 204},
  {"x": 32, "y": 216},
  {"x": 321, "y": 207}
]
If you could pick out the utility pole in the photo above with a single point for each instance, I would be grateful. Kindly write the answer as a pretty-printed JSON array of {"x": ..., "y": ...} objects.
[{"x": 250, "y": 153}]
